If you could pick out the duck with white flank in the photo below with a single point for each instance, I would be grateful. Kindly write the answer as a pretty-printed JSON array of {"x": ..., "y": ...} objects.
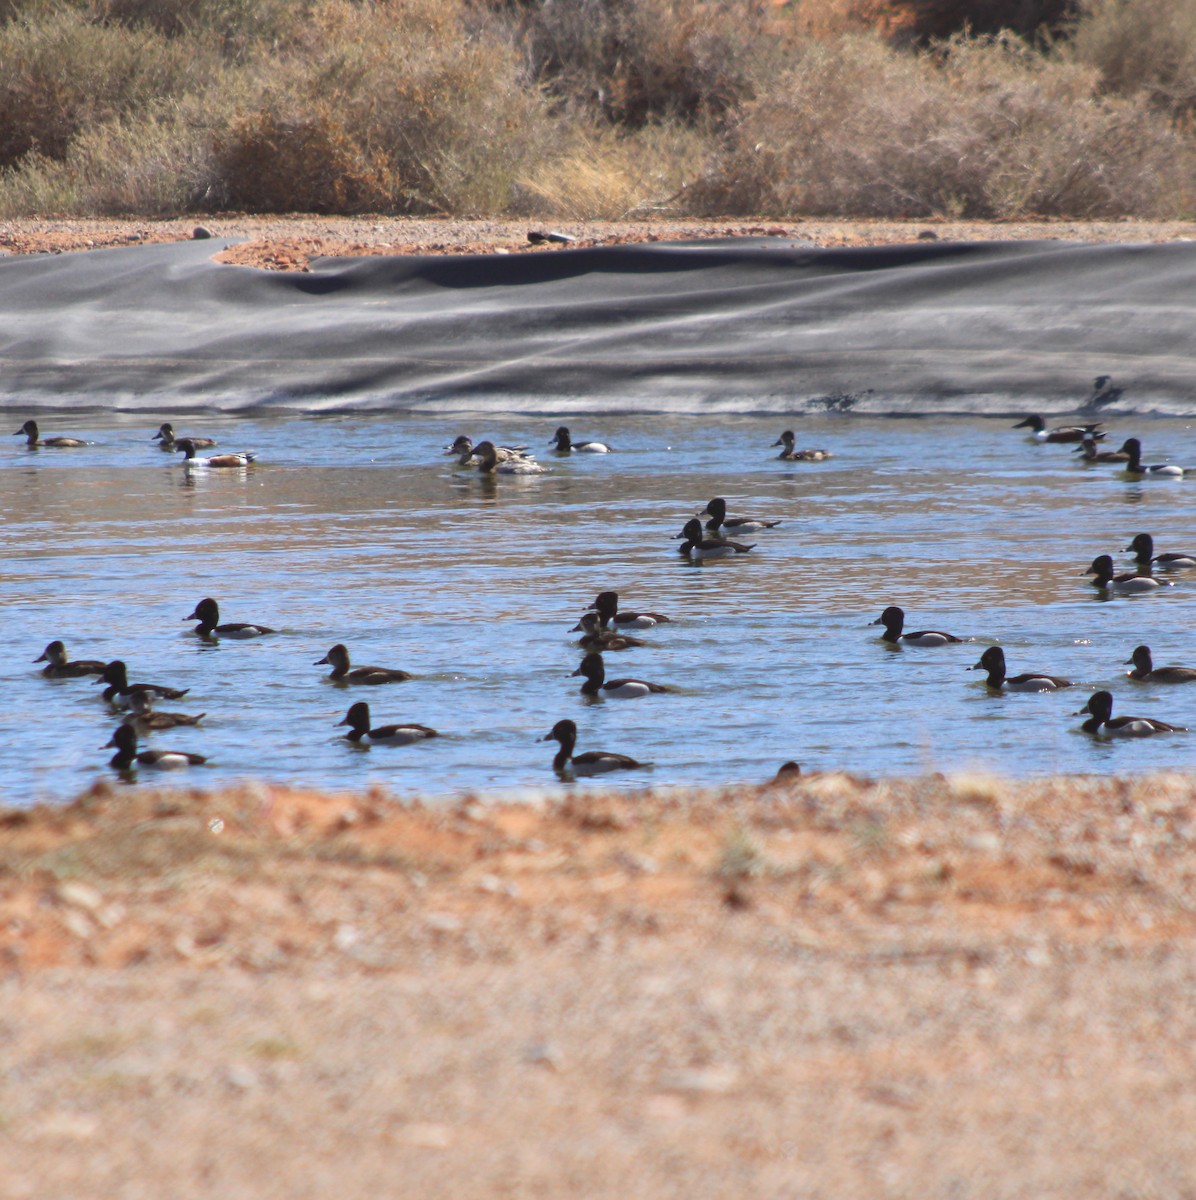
[
  {"x": 1146, "y": 672},
  {"x": 166, "y": 439},
  {"x": 697, "y": 546},
  {"x": 607, "y": 606},
  {"x": 1135, "y": 466},
  {"x": 720, "y": 524},
  {"x": 144, "y": 719},
  {"x": 591, "y": 762},
  {"x": 1061, "y": 433},
  {"x": 343, "y": 672},
  {"x": 1090, "y": 454},
  {"x": 207, "y": 613},
  {"x": 1128, "y": 583},
  {"x": 489, "y": 463},
  {"x": 120, "y": 692},
  {"x": 358, "y": 720},
  {"x": 789, "y": 454},
  {"x": 463, "y": 448},
  {"x": 893, "y": 619},
  {"x": 594, "y": 637},
  {"x": 1102, "y": 721},
  {"x": 33, "y": 440},
  {"x": 596, "y": 684},
  {"x": 60, "y": 667},
  {"x": 993, "y": 661},
  {"x": 187, "y": 447},
  {"x": 562, "y": 443},
  {"x": 127, "y": 755},
  {"x": 1142, "y": 548}
]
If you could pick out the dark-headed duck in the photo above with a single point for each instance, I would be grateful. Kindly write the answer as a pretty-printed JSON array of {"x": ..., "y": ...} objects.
[
  {"x": 720, "y": 525},
  {"x": 1146, "y": 672},
  {"x": 489, "y": 463},
  {"x": 1135, "y": 466},
  {"x": 698, "y": 546},
  {"x": 358, "y": 720},
  {"x": 1142, "y": 548},
  {"x": 187, "y": 447},
  {"x": 1129, "y": 583},
  {"x": 127, "y": 754},
  {"x": 60, "y": 667},
  {"x": 1061, "y": 433},
  {"x": 167, "y": 441},
  {"x": 1102, "y": 721},
  {"x": 993, "y": 661},
  {"x": 144, "y": 719},
  {"x": 596, "y": 684},
  {"x": 594, "y": 637},
  {"x": 606, "y": 604},
  {"x": 343, "y": 672},
  {"x": 591, "y": 762},
  {"x": 562, "y": 443},
  {"x": 893, "y": 619},
  {"x": 119, "y": 692},
  {"x": 790, "y": 454},
  {"x": 207, "y": 613},
  {"x": 30, "y": 433}
]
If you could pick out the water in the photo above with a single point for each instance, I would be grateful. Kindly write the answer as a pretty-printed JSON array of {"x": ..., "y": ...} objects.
[{"x": 357, "y": 529}]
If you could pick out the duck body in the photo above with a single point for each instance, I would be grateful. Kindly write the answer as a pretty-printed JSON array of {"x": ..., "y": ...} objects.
[
  {"x": 166, "y": 439},
  {"x": 791, "y": 454},
  {"x": 463, "y": 448},
  {"x": 992, "y": 661},
  {"x": 187, "y": 447},
  {"x": 596, "y": 684},
  {"x": 128, "y": 756},
  {"x": 590, "y": 762},
  {"x": 594, "y": 637},
  {"x": 698, "y": 547},
  {"x": 60, "y": 667},
  {"x": 720, "y": 525},
  {"x": 1102, "y": 722},
  {"x": 207, "y": 613},
  {"x": 1090, "y": 454},
  {"x": 145, "y": 719},
  {"x": 1061, "y": 433},
  {"x": 1128, "y": 583},
  {"x": 562, "y": 443},
  {"x": 358, "y": 720},
  {"x": 344, "y": 672},
  {"x": 489, "y": 463},
  {"x": 1134, "y": 465},
  {"x": 1146, "y": 672},
  {"x": 33, "y": 439},
  {"x": 1142, "y": 547},
  {"x": 120, "y": 693},
  {"x": 893, "y": 619},
  {"x": 606, "y": 604}
]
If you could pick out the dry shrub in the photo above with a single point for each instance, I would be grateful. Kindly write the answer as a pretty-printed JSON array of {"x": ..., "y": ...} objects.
[
  {"x": 983, "y": 128},
  {"x": 236, "y": 22}
]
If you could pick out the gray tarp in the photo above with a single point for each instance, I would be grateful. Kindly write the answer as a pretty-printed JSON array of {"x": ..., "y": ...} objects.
[{"x": 757, "y": 325}]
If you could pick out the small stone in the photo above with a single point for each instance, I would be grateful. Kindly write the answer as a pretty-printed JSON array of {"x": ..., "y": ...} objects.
[
  {"x": 199, "y": 233},
  {"x": 443, "y": 923},
  {"x": 241, "y": 1077},
  {"x": 701, "y": 1080},
  {"x": 80, "y": 895},
  {"x": 543, "y": 1054}
]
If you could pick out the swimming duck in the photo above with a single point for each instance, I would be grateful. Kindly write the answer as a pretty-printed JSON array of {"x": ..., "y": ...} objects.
[
  {"x": 186, "y": 446},
  {"x": 720, "y": 524},
  {"x": 1127, "y": 584},
  {"x": 29, "y": 432},
  {"x": 462, "y": 446},
  {"x": 1061, "y": 433},
  {"x": 1100, "y": 705},
  {"x": 563, "y": 444},
  {"x": 591, "y": 762},
  {"x": 166, "y": 439},
  {"x": 893, "y": 619},
  {"x": 1133, "y": 466},
  {"x": 489, "y": 462},
  {"x": 596, "y": 684},
  {"x": 342, "y": 672},
  {"x": 1090, "y": 454},
  {"x": 125, "y": 740},
  {"x": 1145, "y": 670},
  {"x": 144, "y": 719},
  {"x": 1142, "y": 547},
  {"x": 698, "y": 547},
  {"x": 789, "y": 454},
  {"x": 59, "y": 667},
  {"x": 358, "y": 719},
  {"x": 594, "y": 637},
  {"x": 119, "y": 692},
  {"x": 607, "y": 606},
  {"x": 993, "y": 661},
  {"x": 207, "y": 613}
]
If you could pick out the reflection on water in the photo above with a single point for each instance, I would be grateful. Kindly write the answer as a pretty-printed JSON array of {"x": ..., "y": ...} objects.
[{"x": 359, "y": 530}]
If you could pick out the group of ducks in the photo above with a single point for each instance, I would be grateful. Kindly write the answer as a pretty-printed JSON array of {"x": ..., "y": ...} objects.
[{"x": 165, "y": 437}]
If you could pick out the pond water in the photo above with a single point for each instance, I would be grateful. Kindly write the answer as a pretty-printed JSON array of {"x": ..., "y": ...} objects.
[{"x": 358, "y": 529}]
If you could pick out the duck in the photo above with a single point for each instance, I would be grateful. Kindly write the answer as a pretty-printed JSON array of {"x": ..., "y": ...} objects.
[
  {"x": 187, "y": 446},
  {"x": 1090, "y": 454},
  {"x": 1129, "y": 583},
  {"x": 590, "y": 762},
  {"x": 993, "y": 661},
  {"x": 607, "y": 606},
  {"x": 1146, "y": 672},
  {"x": 1142, "y": 547},
  {"x": 144, "y": 719},
  {"x": 462, "y": 446},
  {"x": 127, "y": 754},
  {"x": 596, "y": 684},
  {"x": 358, "y": 720},
  {"x": 562, "y": 443},
  {"x": 207, "y": 613},
  {"x": 120, "y": 692},
  {"x": 1061, "y": 433},
  {"x": 1101, "y": 720},
  {"x": 716, "y": 510},
  {"x": 1133, "y": 466},
  {"x": 30, "y": 433},
  {"x": 489, "y": 462},
  {"x": 594, "y": 637},
  {"x": 893, "y": 619},
  {"x": 789, "y": 454},
  {"x": 60, "y": 667},
  {"x": 166, "y": 439},
  {"x": 698, "y": 547},
  {"x": 343, "y": 672}
]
